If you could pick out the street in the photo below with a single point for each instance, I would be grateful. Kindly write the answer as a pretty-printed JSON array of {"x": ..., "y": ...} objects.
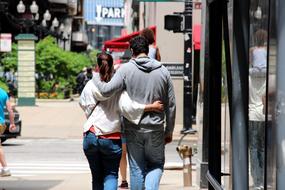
[{"x": 49, "y": 154}]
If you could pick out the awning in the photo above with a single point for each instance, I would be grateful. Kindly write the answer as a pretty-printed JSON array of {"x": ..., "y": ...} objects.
[
  {"x": 197, "y": 36},
  {"x": 123, "y": 42}
]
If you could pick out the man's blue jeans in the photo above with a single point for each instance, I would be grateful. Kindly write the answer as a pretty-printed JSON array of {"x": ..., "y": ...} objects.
[
  {"x": 146, "y": 158},
  {"x": 104, "y": 157}
]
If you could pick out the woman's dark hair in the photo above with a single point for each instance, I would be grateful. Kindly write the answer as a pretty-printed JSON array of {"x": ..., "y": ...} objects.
[
  {"x": 260, "y": 37},
  {"x": 105, "y": 63},
  {"x": 139, "y": 45},
  {"x": 149, "y": 35}
]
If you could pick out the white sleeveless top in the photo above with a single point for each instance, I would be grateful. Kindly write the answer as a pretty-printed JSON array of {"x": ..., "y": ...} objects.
[
  {"x": 152, "y": 52},
  {"x": 259, "y": 58}
]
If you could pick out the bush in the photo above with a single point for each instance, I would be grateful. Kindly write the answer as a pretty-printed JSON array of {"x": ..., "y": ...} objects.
[
  {"x": 3, "y": 85},
  {"x": 54, "y": 66}
]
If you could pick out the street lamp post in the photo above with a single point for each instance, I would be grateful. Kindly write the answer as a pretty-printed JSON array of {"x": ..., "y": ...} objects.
[
  {"x": 64, "y": 35},
  {"x": 26, "y": 49},
  {"x": 34, "y": 9},
  {"x": 65, "y": 39},
  {"x": 31, "y": 21}
]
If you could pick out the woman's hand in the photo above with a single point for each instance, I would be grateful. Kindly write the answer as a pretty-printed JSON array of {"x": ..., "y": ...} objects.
[{"x": 157, "y": 106}]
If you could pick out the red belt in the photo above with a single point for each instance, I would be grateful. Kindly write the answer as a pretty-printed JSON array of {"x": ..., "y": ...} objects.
[{"x": 116, "y": 135}]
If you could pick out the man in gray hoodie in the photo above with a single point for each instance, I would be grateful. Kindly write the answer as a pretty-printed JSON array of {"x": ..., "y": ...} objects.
[{"x": 145, "y": 80}]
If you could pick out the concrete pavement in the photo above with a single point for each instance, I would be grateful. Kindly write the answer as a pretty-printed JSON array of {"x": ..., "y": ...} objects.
[{"x": 61, "y": 119}]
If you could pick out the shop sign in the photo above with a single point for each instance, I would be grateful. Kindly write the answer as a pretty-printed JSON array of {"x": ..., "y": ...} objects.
[
  {"x": 5, "y": 42},
  {"x": 175, "y": 69},
  {"x": 110, "y": 12}
]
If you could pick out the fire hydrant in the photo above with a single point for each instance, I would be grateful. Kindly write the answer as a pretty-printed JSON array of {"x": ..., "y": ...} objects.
[{"x": 185, "y": 153}]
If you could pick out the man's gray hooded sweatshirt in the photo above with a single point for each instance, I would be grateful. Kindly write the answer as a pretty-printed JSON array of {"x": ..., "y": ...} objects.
[{"x": 145, "y": 80}]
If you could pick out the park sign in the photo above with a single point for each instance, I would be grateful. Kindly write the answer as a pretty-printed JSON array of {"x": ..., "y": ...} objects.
[
  {"x": 102, "y": 12},
  {"x": 26, "y": 69}
]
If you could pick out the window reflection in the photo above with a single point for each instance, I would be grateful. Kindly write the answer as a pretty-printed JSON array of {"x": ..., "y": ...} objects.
[{"x": 257, "y": 91}]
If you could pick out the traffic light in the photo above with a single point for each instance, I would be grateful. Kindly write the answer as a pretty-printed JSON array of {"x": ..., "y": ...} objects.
[
  {"x": 178, "y": 22},
  {"x": 173, "y": 23}
]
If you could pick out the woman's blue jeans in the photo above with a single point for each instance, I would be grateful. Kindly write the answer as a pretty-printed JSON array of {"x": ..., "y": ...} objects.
[{"x": 104, "y": 157}]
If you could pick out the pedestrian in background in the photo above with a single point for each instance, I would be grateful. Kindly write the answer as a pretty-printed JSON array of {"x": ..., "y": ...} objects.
[
  {"x": 153, "y": 50},
  {"x": 102, "y": 137},
  {"x": 258, "y": 53},
  {"x": 4, "y": 102},
  {"x": 80, "y": 80},
  {"x": 11, "y": 82},
  {"x": 145, "y": 80}
]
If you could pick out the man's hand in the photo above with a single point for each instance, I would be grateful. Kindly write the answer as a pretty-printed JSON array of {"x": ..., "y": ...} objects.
[
  {"x": 12, "y": 127},
  {"x": 167, "y": 138}
]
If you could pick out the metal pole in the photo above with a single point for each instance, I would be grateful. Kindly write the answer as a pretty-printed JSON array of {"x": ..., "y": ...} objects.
[
  {"x": 203, "y": 157},
  {"x": 187, "y": 95},
  {"x": 214, "y": 91},
  {"x": 280, "y": 103},
  {"x": 239, "y": 101}
]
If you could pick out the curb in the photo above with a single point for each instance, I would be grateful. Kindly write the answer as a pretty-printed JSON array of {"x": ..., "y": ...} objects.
[{"x": 177, "y": 166}]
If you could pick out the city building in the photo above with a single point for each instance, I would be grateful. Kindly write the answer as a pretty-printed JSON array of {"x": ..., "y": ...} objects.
[
  {"x": 104, "y": 20},
  {"x": 45, "y": 17}
]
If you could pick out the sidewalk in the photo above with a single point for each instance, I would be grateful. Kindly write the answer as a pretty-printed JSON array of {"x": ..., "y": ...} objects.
[{"x": 64, "y": 119}]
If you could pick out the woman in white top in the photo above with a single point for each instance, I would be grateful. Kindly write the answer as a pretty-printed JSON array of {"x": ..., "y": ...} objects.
[
  {"x": 153, "y": 50},
  {"x": 102, "y": 137}
]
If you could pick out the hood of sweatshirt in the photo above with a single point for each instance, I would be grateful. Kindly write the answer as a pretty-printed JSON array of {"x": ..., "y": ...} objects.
[{"x": 146, "y": 64}]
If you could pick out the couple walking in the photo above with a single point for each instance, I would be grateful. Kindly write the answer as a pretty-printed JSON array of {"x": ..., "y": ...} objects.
[{"x": 142, "y": 92}]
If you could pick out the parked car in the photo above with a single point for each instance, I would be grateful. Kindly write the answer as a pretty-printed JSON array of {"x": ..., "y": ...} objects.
[{"x": 7, "y": 134}]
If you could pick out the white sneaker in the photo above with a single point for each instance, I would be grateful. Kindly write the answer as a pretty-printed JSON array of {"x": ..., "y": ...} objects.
[{"x": 5, "y": 172}]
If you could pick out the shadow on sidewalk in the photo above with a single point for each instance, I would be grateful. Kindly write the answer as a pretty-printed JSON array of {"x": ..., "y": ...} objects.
[{"x": 27, "y": 184}]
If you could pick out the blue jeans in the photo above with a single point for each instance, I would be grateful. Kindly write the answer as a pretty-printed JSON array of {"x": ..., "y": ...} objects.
[
  {"x": 146, "y": 158},
  {"x": 104, "y": 157},
  {"x": 256, "y": 151}
]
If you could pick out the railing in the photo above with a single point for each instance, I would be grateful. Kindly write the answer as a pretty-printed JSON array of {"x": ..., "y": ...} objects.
[{"x": 213, "y": 182}]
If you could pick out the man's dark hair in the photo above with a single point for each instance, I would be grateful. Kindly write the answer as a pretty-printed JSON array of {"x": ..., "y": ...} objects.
[{"x": 139, "y": 45}]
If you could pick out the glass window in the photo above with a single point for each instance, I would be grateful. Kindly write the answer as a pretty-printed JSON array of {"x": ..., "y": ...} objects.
[{"x": 257, "y": 91}]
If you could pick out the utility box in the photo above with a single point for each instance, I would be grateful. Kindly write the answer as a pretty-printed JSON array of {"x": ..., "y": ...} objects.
[{"x": 26, "y": 69}]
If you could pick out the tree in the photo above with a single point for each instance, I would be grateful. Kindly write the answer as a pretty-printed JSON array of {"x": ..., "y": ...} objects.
[
  {"x": 59, "y": 66},
  {"x": 54, "y": 66},
  {"x": 9, "y": 59}
]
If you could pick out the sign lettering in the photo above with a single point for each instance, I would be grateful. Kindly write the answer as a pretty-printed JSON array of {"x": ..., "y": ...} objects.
[
  {"x": 109, "y": 12},
  {"x": 175, "y": 69}
]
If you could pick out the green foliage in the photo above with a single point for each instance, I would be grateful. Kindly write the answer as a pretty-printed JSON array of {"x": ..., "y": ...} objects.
[
  {"x": 9, "y": 60},
  {"x": 62, "y": 65},
  {"x": 3, "y": 85},
  {"x": 93, "y": 56},
  {"x": 51, "y": 60}
]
